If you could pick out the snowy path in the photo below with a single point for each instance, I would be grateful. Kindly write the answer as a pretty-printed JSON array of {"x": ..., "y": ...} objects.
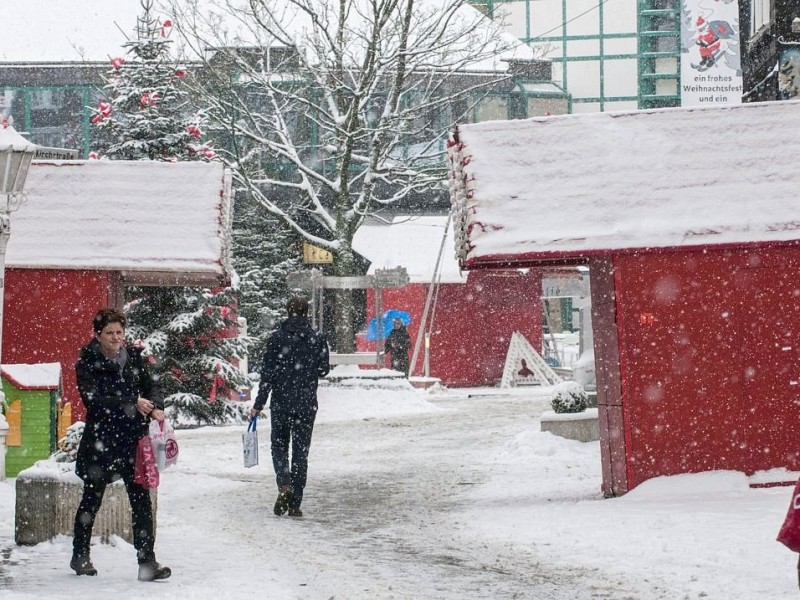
[
  {"x": 415, "y": 495},
  {"x": 382, "y": 512},
  {"x": 383, "y": 519}
]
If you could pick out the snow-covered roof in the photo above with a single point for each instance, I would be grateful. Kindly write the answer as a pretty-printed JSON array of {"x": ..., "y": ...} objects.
[
  {"x": 410, "y": 242},
  {"x": 42, "y": 376},
  {"x": 138, "y": 217},
  {"x": 572, "y": 186}
]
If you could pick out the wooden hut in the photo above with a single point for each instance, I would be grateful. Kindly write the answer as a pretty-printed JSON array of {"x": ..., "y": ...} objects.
[
  {"x": 87, "y": 229},
  {"x": 690, "y": 224},
  {"x": 471, "y": 316}
]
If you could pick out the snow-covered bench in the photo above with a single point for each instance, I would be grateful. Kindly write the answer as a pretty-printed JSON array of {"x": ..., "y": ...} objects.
[{"x": 357, "y": 358}]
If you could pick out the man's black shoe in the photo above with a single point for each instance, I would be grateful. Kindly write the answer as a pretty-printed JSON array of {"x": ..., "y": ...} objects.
[
  {"x": 284, "y": 497},
  {"x": 152, "y": 571},
  {"x": 82, "y": 565}
]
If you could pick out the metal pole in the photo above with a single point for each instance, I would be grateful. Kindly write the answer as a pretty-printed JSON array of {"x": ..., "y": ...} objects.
[
  {"x": 5, "y": 232},
  {"x": 379, "y": 341},
  {"x": 427, "y": 359},
  {"x": 421, "y": 330}
]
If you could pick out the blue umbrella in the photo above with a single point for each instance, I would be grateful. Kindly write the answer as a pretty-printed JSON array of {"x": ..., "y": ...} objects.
[{"x": 388, "y": 323}]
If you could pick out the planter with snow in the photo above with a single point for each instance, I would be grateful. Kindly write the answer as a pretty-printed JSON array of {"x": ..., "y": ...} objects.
[
  {"x": 48, "y": 494},
  {"x": 570, "y": 417},
  {"x": 580, "y": 426}
]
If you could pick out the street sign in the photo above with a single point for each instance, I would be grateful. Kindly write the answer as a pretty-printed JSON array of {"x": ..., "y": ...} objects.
[
  {"x": 43, "y": 153},
  {"x": 383, "y": 278},
  {"x": 315, "y": 255},
  {"x": 301, "y": 280},
  {"x": 359, "y": 282},
  {"x": 388, "y": 278},
  {"x": 575, "y": 286}
]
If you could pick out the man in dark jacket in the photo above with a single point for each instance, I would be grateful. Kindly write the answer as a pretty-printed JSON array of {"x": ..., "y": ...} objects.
[{"x": 296, "y": 357}]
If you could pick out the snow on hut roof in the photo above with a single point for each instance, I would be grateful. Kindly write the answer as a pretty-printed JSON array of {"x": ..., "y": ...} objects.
[
  {"x": 42, "y": 376},
  {"x": 130, "y": 216},
  {"x": 575, "y": 185},
  {"x": 410, "y": 242}
]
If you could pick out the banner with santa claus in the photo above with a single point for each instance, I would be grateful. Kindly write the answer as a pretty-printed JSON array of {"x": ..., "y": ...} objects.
[{"x": 711, "y": 70}]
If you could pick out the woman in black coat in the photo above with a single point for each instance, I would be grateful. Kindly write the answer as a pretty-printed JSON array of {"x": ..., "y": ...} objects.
[
  {"x": 120, "y": 397},
  {"x": 398, "y": 343}
]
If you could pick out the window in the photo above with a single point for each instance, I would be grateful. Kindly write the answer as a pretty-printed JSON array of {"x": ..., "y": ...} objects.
[{"x": 759, "y": 16}]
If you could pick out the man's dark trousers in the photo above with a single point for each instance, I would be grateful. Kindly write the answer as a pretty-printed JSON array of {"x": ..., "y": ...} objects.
[{"x": 296, "y": 426}]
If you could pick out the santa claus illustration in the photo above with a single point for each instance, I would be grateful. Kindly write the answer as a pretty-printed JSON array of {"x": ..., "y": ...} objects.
[{"x": 708, "y": 41}]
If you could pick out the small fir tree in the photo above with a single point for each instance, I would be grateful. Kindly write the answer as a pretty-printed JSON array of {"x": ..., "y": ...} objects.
[
  {"x": 147, "y": 113},
  {"x": 265, "y": 251},
  {"x": 68, "y": 445},
  {"x": 569, "y": 397},
  {"x": 193, "y": 343}
]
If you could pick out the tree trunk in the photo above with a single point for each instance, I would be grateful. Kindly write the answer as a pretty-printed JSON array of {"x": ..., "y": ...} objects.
[
  {"x": 344, "y": 266},
  {"x": 343, "y": 321}
]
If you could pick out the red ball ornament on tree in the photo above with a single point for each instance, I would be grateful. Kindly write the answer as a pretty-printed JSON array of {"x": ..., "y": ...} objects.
[{"x": 194, "y": 131}]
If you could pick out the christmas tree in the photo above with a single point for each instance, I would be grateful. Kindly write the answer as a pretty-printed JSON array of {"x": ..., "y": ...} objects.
[
  {"x": 148, "y": 114},
  {"x": 266, "y": 251},
  {"x": 191, "y": 333}
]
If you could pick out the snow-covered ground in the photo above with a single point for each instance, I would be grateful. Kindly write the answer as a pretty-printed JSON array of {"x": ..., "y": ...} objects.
[{"x": 437, "y": 494}]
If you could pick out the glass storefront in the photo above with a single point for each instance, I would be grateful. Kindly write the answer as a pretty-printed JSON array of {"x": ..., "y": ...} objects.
[{"x": 52, "y": 116}]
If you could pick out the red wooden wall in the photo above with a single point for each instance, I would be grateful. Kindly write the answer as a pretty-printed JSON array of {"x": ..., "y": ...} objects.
[
  {"x": 709, "y": 346},
  {"x": 613, "y": 447},
  {"x": 48, "y": 317},
  {"x": 473, "y": 322}
]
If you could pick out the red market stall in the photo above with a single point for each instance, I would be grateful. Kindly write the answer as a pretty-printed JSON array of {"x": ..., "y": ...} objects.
[
  {"x": 87, "y": 229},
  {"x": 694, "y": 265},
  {"x": 474, "y": 314}
]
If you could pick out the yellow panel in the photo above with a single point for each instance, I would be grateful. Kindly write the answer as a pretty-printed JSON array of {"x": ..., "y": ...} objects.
[
  {"x": 14, "y": 418},
  {"x": 316, "y": 255},
  {"x": 64, "y": 419}
]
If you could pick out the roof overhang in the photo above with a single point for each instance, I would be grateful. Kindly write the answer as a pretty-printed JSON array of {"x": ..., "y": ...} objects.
[
  {"x": 155, "y": 223},
  {"x": 564, "y": 189}
]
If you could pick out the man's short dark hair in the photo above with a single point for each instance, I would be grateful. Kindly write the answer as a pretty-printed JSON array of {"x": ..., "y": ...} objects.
[
  {"x": 297, "y": 307},
  {"x": 105, "y": 316}
]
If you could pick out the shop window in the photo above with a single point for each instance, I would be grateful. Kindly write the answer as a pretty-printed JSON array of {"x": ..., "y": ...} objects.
[{"x": 759, "y": 16}]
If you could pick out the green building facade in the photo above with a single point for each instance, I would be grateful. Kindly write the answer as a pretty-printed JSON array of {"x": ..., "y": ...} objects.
[{"x": 612, "y": 55}]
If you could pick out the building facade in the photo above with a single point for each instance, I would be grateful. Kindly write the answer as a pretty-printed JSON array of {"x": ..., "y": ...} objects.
[{"x": 624, "y": 54}]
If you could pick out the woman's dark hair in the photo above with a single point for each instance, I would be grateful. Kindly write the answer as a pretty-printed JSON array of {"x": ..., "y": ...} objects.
[{"x": 105, "y": 316}]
